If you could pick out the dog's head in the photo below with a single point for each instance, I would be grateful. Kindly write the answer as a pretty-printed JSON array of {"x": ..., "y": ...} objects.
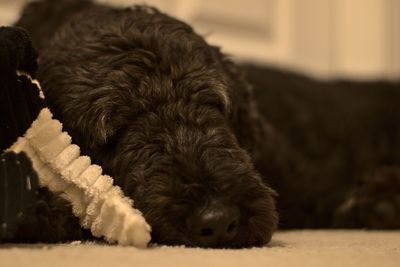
[
  {"x": 166, "y": 117},
  {"x": 184, "y": 164}
]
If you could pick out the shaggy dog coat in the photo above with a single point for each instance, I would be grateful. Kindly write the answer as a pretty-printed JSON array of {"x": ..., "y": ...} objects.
[
  {"x": 165, "y": 114},
  {"x": 173, "y": 120}
]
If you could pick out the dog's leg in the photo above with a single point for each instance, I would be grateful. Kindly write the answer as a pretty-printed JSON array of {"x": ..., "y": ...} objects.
[{"x": 374, "y": 202}]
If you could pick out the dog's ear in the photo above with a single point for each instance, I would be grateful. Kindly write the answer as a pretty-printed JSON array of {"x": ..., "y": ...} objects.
[{"x": 93, "y": 120}]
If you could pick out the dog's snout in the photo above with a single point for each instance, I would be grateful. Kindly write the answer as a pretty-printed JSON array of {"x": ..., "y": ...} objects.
[{"x": 214, "y": 226}]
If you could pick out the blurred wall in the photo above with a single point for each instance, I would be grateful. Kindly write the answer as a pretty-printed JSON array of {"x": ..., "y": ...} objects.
[
  {"x": 9, "y": 10},
  {"x": 325, "y": 38}
]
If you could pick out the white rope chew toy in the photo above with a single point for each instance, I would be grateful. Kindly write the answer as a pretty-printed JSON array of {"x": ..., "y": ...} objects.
[{"x": 100, "y": 205}]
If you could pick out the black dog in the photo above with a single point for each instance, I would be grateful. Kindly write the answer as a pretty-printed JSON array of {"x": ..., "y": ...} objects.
[
  {"x": 167, "y": 115},
  {"x": 176, "y": 125}
]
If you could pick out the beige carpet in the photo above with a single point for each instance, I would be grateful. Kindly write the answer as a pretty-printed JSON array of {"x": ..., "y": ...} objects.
[{"x": 293, "y": 248}]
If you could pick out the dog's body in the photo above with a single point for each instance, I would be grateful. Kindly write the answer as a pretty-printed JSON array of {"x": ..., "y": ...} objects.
[
  {"x": 340, "y": 166},
  {"x": 173, "y": 121}
]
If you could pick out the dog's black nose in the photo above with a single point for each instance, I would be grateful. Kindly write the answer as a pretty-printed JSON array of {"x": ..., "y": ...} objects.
[{"x": 214, "y": 226}]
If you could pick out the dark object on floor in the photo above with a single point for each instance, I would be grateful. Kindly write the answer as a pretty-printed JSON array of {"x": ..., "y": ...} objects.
[
  {"x": 19, "y": 98},
  {"x": 18, "y": 192},
  {"x": 27, "y": 213}
]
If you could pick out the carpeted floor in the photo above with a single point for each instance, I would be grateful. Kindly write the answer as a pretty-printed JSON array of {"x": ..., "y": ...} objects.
[{"x": 292, "y": 248}]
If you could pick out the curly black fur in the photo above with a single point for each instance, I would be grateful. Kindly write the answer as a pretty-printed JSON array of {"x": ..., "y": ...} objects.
[{"x": 163, "y": 112}]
